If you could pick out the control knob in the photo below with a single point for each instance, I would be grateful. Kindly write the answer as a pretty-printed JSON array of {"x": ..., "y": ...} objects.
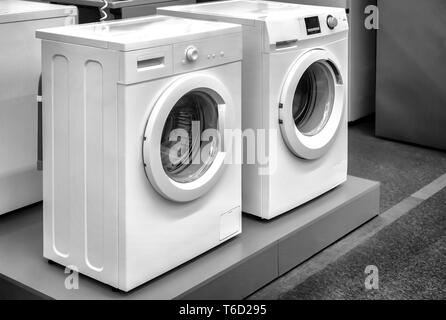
[
  {"x": 191, "y": 53},
  {"x": 332, "y": 22}
]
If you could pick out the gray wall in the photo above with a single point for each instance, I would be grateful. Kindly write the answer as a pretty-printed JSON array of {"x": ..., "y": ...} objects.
[{"x": 411, "y": 73}]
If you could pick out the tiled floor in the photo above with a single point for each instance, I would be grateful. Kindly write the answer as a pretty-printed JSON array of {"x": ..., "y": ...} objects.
[
  {"x": 401, "y": 168},
  {"x": 409, "y": 252}
]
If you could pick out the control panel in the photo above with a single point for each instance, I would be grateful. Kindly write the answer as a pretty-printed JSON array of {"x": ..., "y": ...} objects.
[
  {"x": 207, "y": 52},
  {"x": 192, "y": 54},
  {"x": 163, "y": 61},
  {"x": 313, "y": 25},
  {"x": 316, "y": 24},
  {"x": 287, "y": 32}
]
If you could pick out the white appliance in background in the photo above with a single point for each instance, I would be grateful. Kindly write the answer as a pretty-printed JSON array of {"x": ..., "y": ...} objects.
[
  {"x": 125, "y": 200},
  {"x": 90, "y": 10},
  {"x": 362, "y": 54},
  {"x": 294, "y": 80},
  {"x": 20, "y": 182}
]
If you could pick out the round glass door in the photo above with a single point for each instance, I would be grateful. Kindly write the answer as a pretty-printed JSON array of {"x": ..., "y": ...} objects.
[
  {"x": 313, "y": 99},
  {"x": 312, "y": 104},
  {"x": 183, "y": 146},
  {"x": 184, "y": 155}
]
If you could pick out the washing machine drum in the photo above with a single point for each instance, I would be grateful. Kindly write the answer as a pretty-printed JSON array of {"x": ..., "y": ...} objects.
[
  {"x": 312, "y": 104},
  {"x": 184, "y": 155},
  {"x": 313, "y": 99},
  {"x": 184, "y": 149}
]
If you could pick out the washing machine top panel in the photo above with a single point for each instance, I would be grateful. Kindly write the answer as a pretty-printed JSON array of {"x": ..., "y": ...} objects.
[
  {"x": 329, "y": 3},
  {"x": 282, "y": 21},
  {"x": 138, "y": 33},
  {"x": 15, "y": 11},
  {"x": 248, "y": 11}
]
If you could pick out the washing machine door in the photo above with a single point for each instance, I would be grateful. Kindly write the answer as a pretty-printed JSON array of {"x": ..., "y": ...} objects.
[
  {"x": 312, "y": 104},
  {"x": 184, "y": 148}
]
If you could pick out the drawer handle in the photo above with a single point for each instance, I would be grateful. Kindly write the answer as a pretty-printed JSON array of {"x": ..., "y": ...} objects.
[
  {"x": 146, "y": 64},
  {"x": 286, "y": 44}
]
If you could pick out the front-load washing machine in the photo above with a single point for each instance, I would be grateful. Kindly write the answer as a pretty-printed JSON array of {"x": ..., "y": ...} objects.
[
  {"x": 362, "y": 54},
  {"x": 138, "y": 175},
  {"x": 294, "y": 80}
]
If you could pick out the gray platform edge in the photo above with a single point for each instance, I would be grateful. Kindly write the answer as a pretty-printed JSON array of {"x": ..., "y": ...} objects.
[
  {"x": 14, "y": 290},
  {"x": 235, "y": 270},
  {"x": 291, "y": 249}
]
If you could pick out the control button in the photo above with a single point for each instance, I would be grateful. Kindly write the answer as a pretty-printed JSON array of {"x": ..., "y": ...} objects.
[
  {"x": 213, "y": 55},
  {"x": 192, "y": 54},
  {"x": 222, "y": 54},
  {"x": 332, "y": 22},
  {"x": 209, "y": 56}
]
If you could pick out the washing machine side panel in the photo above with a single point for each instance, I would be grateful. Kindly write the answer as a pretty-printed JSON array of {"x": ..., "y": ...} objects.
[
  {"x": 295, "y": 180},
  {"x": 160, "y": 234},
  {"x": 122, "y": 192},
  {"x": 252, "y": 118},
  {"x": 80, "y": 158}
]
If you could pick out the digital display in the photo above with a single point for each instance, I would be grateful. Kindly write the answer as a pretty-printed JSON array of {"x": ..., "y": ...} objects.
[{"x": 313, "y": 25}]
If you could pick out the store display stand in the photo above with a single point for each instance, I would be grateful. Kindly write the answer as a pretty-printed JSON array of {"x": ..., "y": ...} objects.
[{"x": 263, "y": 252}]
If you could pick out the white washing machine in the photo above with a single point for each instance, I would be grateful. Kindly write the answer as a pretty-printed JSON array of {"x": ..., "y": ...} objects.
[
  {"x": 20, "y": 181},
  {"x": 362, "y": 54},
  {"x": 135, "y": 182},
  {"x": 295, "y": 69}
]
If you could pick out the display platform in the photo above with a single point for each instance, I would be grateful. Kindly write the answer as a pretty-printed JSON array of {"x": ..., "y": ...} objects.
[{"x": 263, "y": 252}]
